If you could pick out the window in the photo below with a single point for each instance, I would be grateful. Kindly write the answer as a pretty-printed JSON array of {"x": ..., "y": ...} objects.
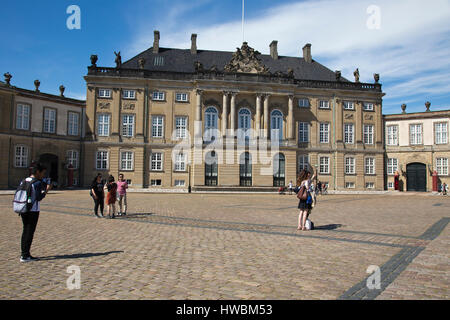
[
  {"x": 181, "y": 127},
  {"x": 158, "y": 61},
  {"x": 303, "y": 162},
  {"x": 324, "y": 165},
  {"x": 126, "y": 160},
  {"x": 103, "y": 125},
  {"x": 21, "y": 157},
  {"x": 23, "y": 117},
  {"x": 368, "y": 106},
  {"x": 128, "y": 125},
  {"x": 157, "y": 161},
  {"x": 155, "y": 183},
  {"x": 369, "y": 165},
  {"x": 102, "y": 160},
  {"x": 324, "y": 104},
  {"x": 415, "y": 134},
  {"x": 129, "y": 94},
  {"x": 392, "y": 135},
  {"x": 368, "y": 134},
  {"x": 303, "y": 103},
  {"x": 157, "y": 126},
  {"x": 129, "y": 182},
  {"x": 370, "y": 185},
  {"x": 303, "y": 132},
  {"x": 244, "y": 117},
  {"x": 75, "y": 181},
  {"x": 324, "y": 133},
  {"x": 392, "y": 165},
  {"x": 211, "y": 116},
  {"x": 349, "y": 165},
  {"x": 442, "y": 166},
  {"x": 72, "y": 158},
  {"x": 350, "y": 185},
  {"x": 49, "y": 120},
  {"x": 180, "y": 162},
  {"x": 159, "y": 96},
  {"x": 390, "y": 185},
  {"x": 349, "y": 105},
  {"x": 440, "y": 131},
  {"x": 276, "y": 125},
  {"x": 180, "y": 183},
  {"x": 181, "y": 97},
  {"x": 73, "y": 124},
  {"x": 348, "y": 133},
  {"x": 104, "y": 93}
]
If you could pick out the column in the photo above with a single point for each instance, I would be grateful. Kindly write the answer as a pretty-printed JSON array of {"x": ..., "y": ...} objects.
[
  {"x": 233, "y": 113},
  {"x": 198, "y": 115},
  {"x": 291, "y": 124},
  {"x": 224, "y": 113},
  {"x": 198, "y": 110},
  {"x": 258, "y": 114},
  {"x": 266, "y": 115}
]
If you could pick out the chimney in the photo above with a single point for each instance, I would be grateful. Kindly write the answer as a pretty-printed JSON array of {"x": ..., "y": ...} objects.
[
  {"x": 156, "y": 42},
  {"x": 274, "y": 49},
  {"x": 307, "y": 53},
  {"x": 194, "y": 43}
]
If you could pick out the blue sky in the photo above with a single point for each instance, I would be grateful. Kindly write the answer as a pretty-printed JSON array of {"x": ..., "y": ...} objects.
[{"x": 410, "y": 50}]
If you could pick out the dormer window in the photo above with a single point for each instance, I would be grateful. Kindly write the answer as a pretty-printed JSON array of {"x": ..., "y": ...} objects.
[{"x": 158, "y": 61}]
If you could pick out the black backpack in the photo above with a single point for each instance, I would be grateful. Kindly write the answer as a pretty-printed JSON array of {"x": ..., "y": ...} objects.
[{"x": 22, "y": 197}]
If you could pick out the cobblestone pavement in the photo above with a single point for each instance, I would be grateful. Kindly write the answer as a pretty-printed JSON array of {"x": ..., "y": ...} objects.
[{"x": 231, "y": 246}]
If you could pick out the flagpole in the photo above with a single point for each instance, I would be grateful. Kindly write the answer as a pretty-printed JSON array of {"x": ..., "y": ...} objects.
[{"x": 243, "y": 11}]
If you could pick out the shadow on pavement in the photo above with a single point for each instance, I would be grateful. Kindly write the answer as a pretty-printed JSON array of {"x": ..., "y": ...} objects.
[
  {"x": 79, "y": 255},
  {"x": 328, "y": 227}
]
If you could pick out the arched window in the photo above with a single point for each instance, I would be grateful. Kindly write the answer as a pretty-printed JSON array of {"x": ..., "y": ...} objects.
[
  {"x": 245, "y": 169},
  {"x": 211, "y": 116},
  {"x": 244, "y": 124},
  {"x": 276, "y": 125},
  {"x": 279, "y": 165}
]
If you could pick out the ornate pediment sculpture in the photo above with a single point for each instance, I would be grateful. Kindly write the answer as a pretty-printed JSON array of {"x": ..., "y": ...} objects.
[
  {"x": 246, "y": 60},
  {"x": 103, "y": 105},
  {"x": 128, "y": 106}
]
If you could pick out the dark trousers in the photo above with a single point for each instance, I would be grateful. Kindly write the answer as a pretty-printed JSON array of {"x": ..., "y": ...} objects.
[
  {"x": 100, "y": 201},
  {"x": 30, "y": 220}
]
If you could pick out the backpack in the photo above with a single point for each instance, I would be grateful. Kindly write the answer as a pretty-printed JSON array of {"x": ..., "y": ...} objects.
[
  {"x": 22, "y": 197},
  {"x": 309, "y": 225}
]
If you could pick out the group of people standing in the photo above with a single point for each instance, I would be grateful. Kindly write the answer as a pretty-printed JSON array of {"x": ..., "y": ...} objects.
[{"x": 115, "y": 191}]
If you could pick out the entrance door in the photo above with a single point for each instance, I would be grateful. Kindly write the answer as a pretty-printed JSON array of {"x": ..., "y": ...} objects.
[
  {"x": 50, "y": 161},
  {"x": 416, "y": 177},
  {"x": 245, "y": 170},
  {"x": 211, "y": 169},
  {"x": 278, "y": 170}
]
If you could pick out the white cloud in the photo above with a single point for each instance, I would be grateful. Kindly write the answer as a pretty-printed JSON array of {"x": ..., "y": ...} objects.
[{"x": 411, "y": 46}]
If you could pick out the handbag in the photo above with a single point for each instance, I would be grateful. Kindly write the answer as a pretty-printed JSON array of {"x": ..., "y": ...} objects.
[{"x": 302, "y": 193}]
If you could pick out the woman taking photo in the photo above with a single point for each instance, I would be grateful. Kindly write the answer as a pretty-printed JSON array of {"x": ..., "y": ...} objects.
[
  {"x": 304, "y": 180},
  {"x": 98, "y": 194}
]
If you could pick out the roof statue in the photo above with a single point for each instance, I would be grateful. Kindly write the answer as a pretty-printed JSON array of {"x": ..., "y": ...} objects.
[{"x": 246, "y": 60}]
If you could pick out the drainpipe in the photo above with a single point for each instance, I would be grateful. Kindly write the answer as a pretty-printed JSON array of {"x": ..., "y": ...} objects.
[
  {"x": 146, "y": 120},
  {"x": 334, "y": 141}
]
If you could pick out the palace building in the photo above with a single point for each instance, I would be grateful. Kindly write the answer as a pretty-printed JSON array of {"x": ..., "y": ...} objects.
[
  {"x": 200, "y": 119},
  {"x": 36, "y": 126},
  {"x": 417, "y": 150}
]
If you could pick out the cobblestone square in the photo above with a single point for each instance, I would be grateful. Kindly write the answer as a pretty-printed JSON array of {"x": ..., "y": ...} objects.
[{"x": 231, "y": 246}]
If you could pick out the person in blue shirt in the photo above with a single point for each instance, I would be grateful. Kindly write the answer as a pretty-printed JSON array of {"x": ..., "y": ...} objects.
[{"x": 39, "y": 190}]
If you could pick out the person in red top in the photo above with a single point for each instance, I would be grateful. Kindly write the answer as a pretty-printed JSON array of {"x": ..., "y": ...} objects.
[
  {"x": 122, "y": 187},
  {"x": 111, "y": 197}
]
